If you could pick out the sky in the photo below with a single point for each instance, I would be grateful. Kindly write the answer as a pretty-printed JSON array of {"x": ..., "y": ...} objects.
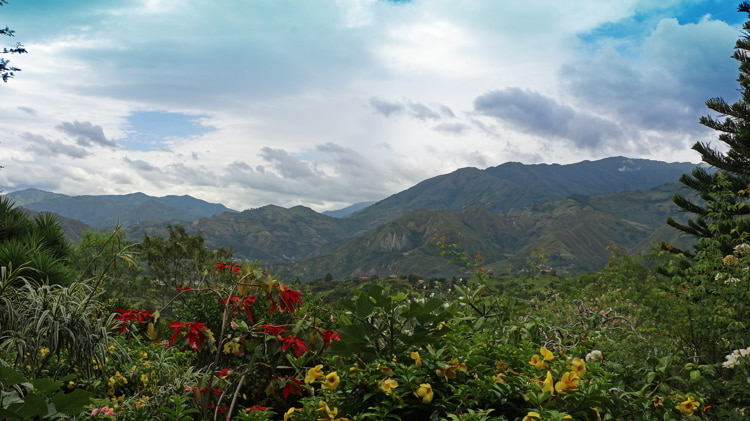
[{"x": 326, "y": 103}]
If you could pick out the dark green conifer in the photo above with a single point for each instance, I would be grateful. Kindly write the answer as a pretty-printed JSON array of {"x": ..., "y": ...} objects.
[{"x": 734, "y": 164}]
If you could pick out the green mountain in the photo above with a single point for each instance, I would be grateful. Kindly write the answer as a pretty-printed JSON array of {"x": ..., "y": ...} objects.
[
  {"x": 108, "y": 210},
  {"x": 574, "y": 233},
  {"x": 270, "y": 234},
  {"x": 512, "y": 186},
  {"x": 73, "y": 228}
]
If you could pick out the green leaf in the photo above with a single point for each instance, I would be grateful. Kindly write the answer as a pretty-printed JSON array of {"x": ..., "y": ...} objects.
[
  {"x": 9, "y": 377},
  {"x": 45, "y": 385},
  {"x": 8, "y": 415},
  {"x": 479, "y": 323},
  {"x": 364, "y": 306},
  {"x": 33, "y": 406},
  {"x": 72, "y": 403}
]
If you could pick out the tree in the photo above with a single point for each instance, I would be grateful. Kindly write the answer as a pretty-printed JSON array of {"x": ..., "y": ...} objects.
[
  {"x": 6, "y": 70},
  {"x": 733, "y": 166}
]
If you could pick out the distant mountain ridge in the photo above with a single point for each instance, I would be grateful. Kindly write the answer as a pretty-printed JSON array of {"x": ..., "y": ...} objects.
[
  {"x": 514, "y": 186},
  {"x": 108, "y": 210},
  {"x": 504, "y": 213}
]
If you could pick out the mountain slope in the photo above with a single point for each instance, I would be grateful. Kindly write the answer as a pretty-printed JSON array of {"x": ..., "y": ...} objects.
[
  {"x": 108, "y": 210},
  {"x": 513, "y": 186},
  {"x": 270, "y": 234},
  {"x": 574, "y": 232}
]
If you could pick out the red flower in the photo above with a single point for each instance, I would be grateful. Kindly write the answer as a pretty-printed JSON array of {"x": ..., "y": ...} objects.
[
  {"x": 256, "y": 408},
  {"x": 234, "y": 268},
  {"x": 244, "y": 303},
  {"x": 330, "y": 335},
  {"x": 298, "y": 346},
  {"x": 292, "y": 386},
  {"x": 291, "y": 299},
  {"x": 180, "y": 289},
  {"x": 272, "y": 330},
  {"x": 225, "y": 372},
  {"x": 127, "y": 316},
  {"x": 196, "y": 333}
]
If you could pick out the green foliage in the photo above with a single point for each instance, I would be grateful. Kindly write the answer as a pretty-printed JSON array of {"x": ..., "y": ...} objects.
[{"x": 23, "y": 399}]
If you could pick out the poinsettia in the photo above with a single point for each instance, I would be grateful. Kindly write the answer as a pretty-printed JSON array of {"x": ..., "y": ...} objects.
[
  {"x": 196, "y": 333},
  {"x": 127, "y": 316},
  {"x": 292, "y": 386},
  {"x": 272, "y": 330},
  {"x": 298, "y": 346},
  {"x": 290, "y": 299},
  {"x": 240, "y": 303},
  {"x": 330, "y": 335}
]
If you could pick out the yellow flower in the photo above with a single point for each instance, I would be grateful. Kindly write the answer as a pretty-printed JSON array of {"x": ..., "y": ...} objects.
[
  {"x": 538, "y": 362},
  {"x": 144, "y": 355},
  {"x": 569, "y": 381},
  {"x": 332, "y": 381},
  {"x": 43, "y": 352},
  {"x": 567, "y": 417},
  {"x": 288, "y": 414},
  {"x": 231, "y": 348},
  {"x": 417, "y": 359},
  {"x": 387, "y": 385},
  {"x": 687, "y": 407},
  {"x": 330, "y": 412},
  {"x": 499, "y": 378},
  {"x": 71, "y": 384},
  {"x": 532, "y": 416},
  {"x": 449, "y": 370},
  {"x": 579, "y": 366},
  {"x": 111, "y": 381},
  {"x": 549, "y": 384},
  {"x": 425, "y": 392},
  {"x": 314, "y": 374},
  {"x": 501, "y": 366},
  {"x": 144, "y": 378},
  {"x": 548, "y": 356}
]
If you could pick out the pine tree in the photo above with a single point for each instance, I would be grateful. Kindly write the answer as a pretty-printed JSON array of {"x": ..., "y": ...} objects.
[{"x": 732, "y": 167}]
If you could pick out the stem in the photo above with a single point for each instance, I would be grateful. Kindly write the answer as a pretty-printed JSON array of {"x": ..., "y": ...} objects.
[{"x": 234, "y": 399}]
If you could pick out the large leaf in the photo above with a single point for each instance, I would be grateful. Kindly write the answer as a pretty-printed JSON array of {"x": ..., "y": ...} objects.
[
  {"x": 9, "y": 377},
  {"x": 72, "y": 403}
]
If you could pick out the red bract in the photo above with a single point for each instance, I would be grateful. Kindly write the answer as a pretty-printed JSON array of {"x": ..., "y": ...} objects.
[
  {"x": 272, "y": 330},
  {"x": 180, "y": 289},
  {"x": 298, "y": 346},
  {"x": 127, "y": 316},
  {"x": 221, "y": 266},
  {"x": 292, "y": 386},
  {"x": 256, "y": 408},
  {"x": 330, "y": 335},
  {"x": 196, "y": 333},
  {"x": 291, "y": 299},
  {"x": 223, "y": 373},
  {"x": 244, "y": 303}
]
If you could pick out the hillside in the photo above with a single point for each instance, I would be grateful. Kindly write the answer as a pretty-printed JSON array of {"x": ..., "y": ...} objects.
[
  {"x": 512, "y": 186},
  {"x": 269, "y": 234},
  {"x": 108, "y": 210},
  {"x": 574, "y": 233}
]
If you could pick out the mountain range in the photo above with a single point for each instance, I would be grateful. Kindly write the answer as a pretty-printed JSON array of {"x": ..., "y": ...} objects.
[{"x": 504, "y": 213}]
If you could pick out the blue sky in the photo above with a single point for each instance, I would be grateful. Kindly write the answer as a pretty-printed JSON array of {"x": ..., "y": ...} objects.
[{"x": 325, "y": 103}]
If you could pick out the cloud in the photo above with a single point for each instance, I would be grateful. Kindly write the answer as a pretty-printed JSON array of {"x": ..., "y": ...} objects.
[
  {"x": 28, "y": 110},
  {"x": 675, "y": 70},
  {"x": 44, "y": 147},
  {"x": 140, "y": 165},
  {"x": 413, "y": 109},
  {"x": 287, "y": 165},
  {"x": 86, "y": 134},
  {"x": 453, "y": 128},
  {"x": 540, "y": 115},
  {"x": 387, "y": 108}
]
